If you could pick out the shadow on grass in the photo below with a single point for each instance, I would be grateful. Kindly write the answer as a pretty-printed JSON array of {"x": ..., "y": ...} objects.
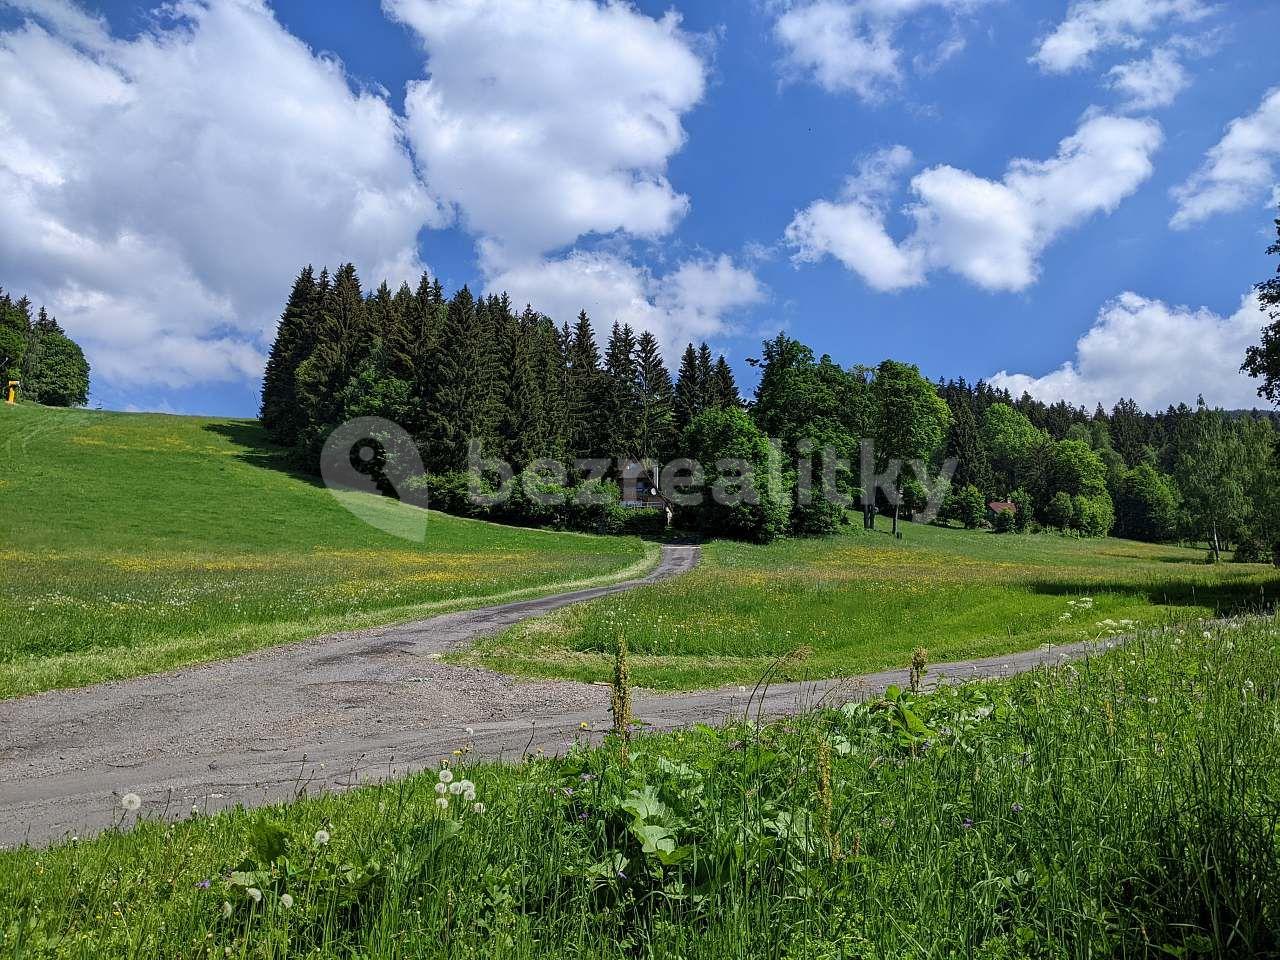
[
  {"x": 257, "y": 449},
  {"x": 1225, "y": 598}
]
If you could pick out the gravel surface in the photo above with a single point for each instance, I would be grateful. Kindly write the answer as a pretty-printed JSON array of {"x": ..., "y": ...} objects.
[{"x": 333, "y": 712}]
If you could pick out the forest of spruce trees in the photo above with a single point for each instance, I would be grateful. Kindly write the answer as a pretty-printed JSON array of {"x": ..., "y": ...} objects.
[{"x": 452, "y": 371}]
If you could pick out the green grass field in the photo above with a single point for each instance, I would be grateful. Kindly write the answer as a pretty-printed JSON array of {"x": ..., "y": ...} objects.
[
  {"x": 131, "y": 543},
  {"x": 863, "y": 601},
  {"x": 1125, "y": 806}
]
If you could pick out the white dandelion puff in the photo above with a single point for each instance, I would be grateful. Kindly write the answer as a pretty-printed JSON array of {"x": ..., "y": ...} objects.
[
  {"x": 322, "y": 837},
  {"x": 286, "y": 901},
  {"x": 131, "y": 802},
  {"x": 254, "y": 894},
  {"x": 454, "y": 788},
  {"x": 442, "y": 803},
  {"x": 442, "y": 788},
  {"x": 446, "y": 775},
  {"x": 226, "y": 908}
]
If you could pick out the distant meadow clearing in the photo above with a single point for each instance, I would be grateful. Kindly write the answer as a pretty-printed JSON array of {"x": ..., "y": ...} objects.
[{"x": 859, "y": 602}]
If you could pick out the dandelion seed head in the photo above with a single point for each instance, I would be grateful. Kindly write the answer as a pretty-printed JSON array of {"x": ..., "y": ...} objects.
[
  {"x": 446, "y": 775},
  {"x": 254, "y": 894},
  {"x": 322, "y": 837},
  {"x": 130, "y": 802},
  {"x": 286, "y": 901},
  {"x": 442, "y": 803}
]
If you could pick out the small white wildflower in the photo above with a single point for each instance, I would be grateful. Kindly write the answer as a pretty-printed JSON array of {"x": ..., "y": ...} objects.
[
  {"x": 442, "y": 803},
  {"x": 442, "y": 788},
  {"x": 446, "y": 775},
  {"x": 322, "y": 837},
  {"x": 130, "y": 802},
  {"x": 254, "y": 894},
  {"x": 286, "y": 901},
  {"x": 478, "y": 808}
]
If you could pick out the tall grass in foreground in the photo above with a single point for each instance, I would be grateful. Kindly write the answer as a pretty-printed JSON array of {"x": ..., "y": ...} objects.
[{"x": 1123, "y": 806}]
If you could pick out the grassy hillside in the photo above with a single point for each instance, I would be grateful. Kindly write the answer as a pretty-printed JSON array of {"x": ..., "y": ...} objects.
[
  {"x": 1124, "y": 806},
  {"x": 134, "y": 542},
  {"x": 863, "y": 601}
]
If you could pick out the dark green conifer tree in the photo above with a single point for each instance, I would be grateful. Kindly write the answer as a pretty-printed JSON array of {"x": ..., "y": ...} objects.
[
  {"x": 621, "y": 394},
  {"x": 460, "y": 407},
  {"x": 655, "y": 420},
  {"x": 341, "y": 344},
  {"x": 723, "y": 388},
  {"x": 690, "y": 389},
  {"x": 584, "y": 391},
  {"x": 280, "y": 411}
]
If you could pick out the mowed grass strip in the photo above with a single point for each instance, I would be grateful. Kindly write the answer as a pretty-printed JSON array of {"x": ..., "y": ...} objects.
[
  {"x": 861, "y": 601},
  {"x": 131, "y": 543}
]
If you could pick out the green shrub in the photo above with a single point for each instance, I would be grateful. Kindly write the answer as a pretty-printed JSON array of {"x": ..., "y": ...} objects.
[{"x": 1005, "y": 521}]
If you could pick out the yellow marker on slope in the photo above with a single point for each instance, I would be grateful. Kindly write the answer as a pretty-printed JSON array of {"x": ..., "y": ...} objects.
[{"x": 11, "y": 395}]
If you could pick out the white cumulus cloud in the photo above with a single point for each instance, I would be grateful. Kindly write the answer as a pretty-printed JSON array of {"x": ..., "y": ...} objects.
[
  {"x": 1094, "y": 25},
  {"x": 1151, "y": 83},
  {"x": 160, "y": 192},
  {"x": 991, "y": 232},
  {"x": 1156, "y": 354},
  {"x": 544, "y": 120},
  {"x": 694, "y": 302},
  {"x": 851, "y": 46},
  {"x": 1237, "y": 171}
]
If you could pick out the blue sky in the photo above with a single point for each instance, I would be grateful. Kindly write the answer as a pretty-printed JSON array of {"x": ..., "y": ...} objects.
[{"x": 835, "y": 168}]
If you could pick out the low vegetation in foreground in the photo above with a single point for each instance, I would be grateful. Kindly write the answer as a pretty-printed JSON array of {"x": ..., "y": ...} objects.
[
  {"x": 860, "y": 602},
  {"x": 133, "y": 543},
  {"x": 1123, "y": 805}
]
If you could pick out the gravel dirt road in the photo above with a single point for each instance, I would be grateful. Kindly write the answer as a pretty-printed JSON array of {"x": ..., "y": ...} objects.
[{"x": 331, "y": 713}]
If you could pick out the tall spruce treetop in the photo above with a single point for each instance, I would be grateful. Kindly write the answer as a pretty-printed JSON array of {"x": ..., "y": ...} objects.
[
  {"x": 621, "y": 393},
  {"x": 690, "y": 389},
  {"x": 461, "y": 405},
  {"x": 295, "y": 338},
  {"x": 655, "y": 417},
  {"x": 584, "y": 390},
  {"x": 724, "y": 387}
]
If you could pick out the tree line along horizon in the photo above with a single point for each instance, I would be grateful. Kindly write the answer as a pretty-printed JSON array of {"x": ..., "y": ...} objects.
[
  {"x": 457, "y": 369},
  {"x": 37, "y": 352}
]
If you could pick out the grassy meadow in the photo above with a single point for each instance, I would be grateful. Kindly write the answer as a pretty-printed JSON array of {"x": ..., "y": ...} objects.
[
  {"x": 1127, "y": 805},
  {"x": 131, "y": 543},
  {"x": 863, "y": 601}
]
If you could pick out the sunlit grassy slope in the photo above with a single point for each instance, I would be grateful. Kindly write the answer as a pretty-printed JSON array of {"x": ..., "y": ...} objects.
[
  {"x": 131, "y": 543},
  {"x": 863, "y": 601}
]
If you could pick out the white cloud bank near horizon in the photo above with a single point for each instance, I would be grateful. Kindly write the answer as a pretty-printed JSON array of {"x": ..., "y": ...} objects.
[
  {"x": 534, "y": 160},
  {"x": 162, "y": 192},
  {"x": 990, "y": 232},
  {"x": 1157, "y": 354}
]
